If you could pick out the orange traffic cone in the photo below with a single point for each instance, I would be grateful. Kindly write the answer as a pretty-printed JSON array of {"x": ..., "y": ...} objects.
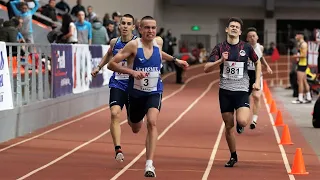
[
  {"x": 268, "y": 96},
  {"x": 279, "y": 120},
  {"x": 265, "y": 86},
  {"x": 286, "y": 138},
  {"x": 273, "y": 107},
  {"x": 298, "y": 166}
]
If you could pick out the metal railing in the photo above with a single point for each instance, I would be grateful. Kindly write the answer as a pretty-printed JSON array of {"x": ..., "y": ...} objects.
[{"x": 29, "y": 68}]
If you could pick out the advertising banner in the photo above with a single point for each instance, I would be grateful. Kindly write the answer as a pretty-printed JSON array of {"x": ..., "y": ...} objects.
[
  {"x": 81, "y": 63},
  {"x": 62, "y": 79},
  {"x": 6, "y": 100}
]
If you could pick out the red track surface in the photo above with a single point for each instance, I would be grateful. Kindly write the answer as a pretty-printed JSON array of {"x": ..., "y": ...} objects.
[{"x": 183, "y": 152}]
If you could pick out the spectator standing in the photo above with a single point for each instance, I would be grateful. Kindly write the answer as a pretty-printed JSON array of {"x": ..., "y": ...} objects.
[
  {"x": 26, "y": 15},
  {"x": 63, "y": 6},
  {"x": 84, "y": 29},
  {"x": 110, "y": 29},
  {"x": 91, "y": 15},
  {"x": 99, "y": 33},
  {"x": 69, "y": 30},
  {"x": 77, "y": 8},
  {"x": 50, "y": 11}
]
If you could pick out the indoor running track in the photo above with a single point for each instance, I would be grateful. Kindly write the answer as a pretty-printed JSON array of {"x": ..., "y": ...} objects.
[{"x": 191, "y": 143}]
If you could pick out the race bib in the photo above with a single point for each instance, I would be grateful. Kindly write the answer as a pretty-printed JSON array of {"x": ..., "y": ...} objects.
[
  {"x": 233, "y": 70},
  {"x": 147, "y": 84},
  {"x": 251, "y": 65},
  {"x": 121, "y": 76}
]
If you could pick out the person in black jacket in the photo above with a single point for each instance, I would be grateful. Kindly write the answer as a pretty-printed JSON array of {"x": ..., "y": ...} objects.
[
  {"x": 78, "y": 8},
  {"x": 63, "y": 6},
  {"x": 316, "y": 114}
]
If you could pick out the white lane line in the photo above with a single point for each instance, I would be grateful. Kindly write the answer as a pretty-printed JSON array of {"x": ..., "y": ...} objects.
[
  {"x": 104, "y": 133},
  {"x": 283, "y": 152},
  {"x": 214, "y": 152},
  {"x": 166, "y": 130},
  {"x": 68, "y": 123}
]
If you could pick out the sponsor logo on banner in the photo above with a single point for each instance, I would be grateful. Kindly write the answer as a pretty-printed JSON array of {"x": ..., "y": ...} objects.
[
  {"x": 96, "y": 56},
  {"x": 313, "y": 54},
  {"x": 81, "y": 62},
  {"x": 6, "y": 100},
  {"x": 61, "y": 69}
]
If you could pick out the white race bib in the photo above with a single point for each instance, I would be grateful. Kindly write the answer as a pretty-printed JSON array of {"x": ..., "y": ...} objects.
[
  {"x": 147, "y": 84},
  {"x": 251, "y": 65},
  {"x": 233, "y": 70},
  {"x": 121, "y": 76}
]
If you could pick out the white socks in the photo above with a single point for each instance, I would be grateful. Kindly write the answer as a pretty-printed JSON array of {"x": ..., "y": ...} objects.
[
  {"x": 308, "y": 96},
  {"x": 254, "y": 118},
  {"x": 149, "y": 163},
  {"x": 300, "y": 97}
]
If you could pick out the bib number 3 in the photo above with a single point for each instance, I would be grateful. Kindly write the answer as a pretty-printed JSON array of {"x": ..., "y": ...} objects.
[{"x": 147, "y": 84}]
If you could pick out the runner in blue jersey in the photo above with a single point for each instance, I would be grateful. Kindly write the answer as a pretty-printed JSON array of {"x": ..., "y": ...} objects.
[
  {"x": 118, "y": 82},
  {"x": 145, "y": 86}
]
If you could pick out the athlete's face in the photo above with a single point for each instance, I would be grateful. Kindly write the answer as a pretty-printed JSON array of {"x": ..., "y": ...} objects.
[
  {"x": 126, "y": 26},
  {"x": 234, "y": 29},
  {"x": 252, "y": 37},
  {"x": 299, "y": 37},
  {"x": 148, "y": 29}
]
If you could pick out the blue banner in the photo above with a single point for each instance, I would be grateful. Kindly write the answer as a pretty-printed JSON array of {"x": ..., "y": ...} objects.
[
  {"x": 96, "y": 56},
  {"x": 62, "y": 79}
]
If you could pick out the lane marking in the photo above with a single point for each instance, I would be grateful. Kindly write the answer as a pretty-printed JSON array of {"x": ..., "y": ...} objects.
[
  {"x": 53, "y": 129},
  {"x": 214, "y": 152},
  {"x": 106, "y": 132},
  {"x": 75, "y": 120},
  {"x": 276, "y": 134},
  {"x": 166, "y": 130}
]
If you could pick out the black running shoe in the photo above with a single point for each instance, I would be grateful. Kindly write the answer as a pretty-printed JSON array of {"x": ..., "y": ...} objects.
[
  {"x": 231, "y": 162},
  {"x": 253, "y": 125},
  {"x": 239, "y": 128}
]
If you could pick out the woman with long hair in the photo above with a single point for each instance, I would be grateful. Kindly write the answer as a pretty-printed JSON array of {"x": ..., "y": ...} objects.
[{"x": 69, "y": 30}]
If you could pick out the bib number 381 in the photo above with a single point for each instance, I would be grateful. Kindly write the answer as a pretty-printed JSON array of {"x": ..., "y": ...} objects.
[{"x": 233, "y": 70}]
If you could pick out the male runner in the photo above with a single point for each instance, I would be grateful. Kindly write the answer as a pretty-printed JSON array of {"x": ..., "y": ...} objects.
[
  {"x": 145, "y": 85},
  {"x": 301, "y": 71},
  {"x": 252, "y": 38},
  {"x": 232, "y": 57},
  {"x": 118, "y": 82}
]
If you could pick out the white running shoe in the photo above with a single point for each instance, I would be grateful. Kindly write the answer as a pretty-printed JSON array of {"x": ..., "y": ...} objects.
[
  {"x": 119, "y": 156},
  {"x": 149, "y": 171}
]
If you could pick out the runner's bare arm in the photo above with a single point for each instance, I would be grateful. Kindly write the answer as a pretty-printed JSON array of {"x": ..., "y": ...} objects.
[
  {"x": 303, "y": 52},
  {"x": 254, "y": 58},
  {"x": 128, "y": 50},
  {"x": 106, "y": 58},
  {"x": 214, "y": 59},
  {"x": 264, "y": 62},
  {"x": 168, "y": 57}
]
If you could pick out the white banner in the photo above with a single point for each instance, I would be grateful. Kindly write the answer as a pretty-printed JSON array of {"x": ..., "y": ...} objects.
[
  {"x": 313, "y": 48},
  {"x": 81, "y": 61},
  {"x": 6, "y": 101},
  {"x": 107, "y": 73}
]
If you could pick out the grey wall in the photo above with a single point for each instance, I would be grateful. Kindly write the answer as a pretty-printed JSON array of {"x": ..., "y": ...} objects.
[{"x": 26, "y": 119}]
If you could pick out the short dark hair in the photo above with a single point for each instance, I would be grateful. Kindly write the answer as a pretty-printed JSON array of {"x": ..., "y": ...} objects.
[
  {"x": 250, "y": 29},
  {"x": 128, "y": 16},
  {"x": 235, "y": 19},
  {"x": 146, "y": 18}
]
